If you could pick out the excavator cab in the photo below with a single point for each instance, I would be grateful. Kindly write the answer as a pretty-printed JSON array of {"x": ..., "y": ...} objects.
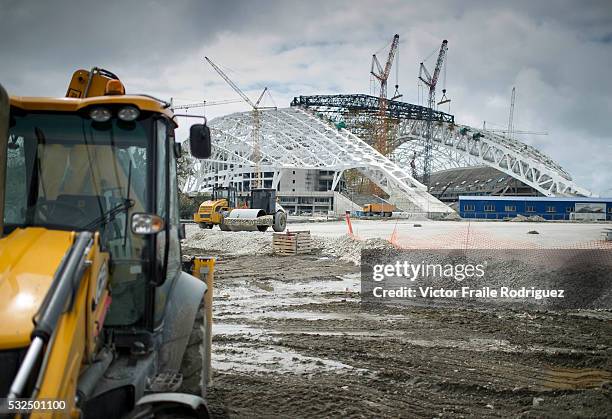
[{"x": 95, "y": 307}]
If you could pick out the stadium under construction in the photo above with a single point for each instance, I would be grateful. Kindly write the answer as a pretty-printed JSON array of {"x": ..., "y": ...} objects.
[{"x": 319, "y": 152}]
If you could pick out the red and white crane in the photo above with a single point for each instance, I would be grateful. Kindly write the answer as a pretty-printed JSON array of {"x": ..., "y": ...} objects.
[
  {"x": 431, "y": 80},
  {"x": 382, "y": 75}
]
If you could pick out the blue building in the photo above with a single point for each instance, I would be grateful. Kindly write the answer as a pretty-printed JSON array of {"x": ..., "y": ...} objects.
[{"x": 500, "y": 207}]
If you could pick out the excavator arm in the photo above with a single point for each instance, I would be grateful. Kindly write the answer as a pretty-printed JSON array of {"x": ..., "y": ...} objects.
[{"x": 66, "y": 345}]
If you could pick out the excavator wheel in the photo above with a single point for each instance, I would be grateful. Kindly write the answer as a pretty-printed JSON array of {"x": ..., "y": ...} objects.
[
  {"x": 223, "y": 227},
  {"x": 206, "y": 226},
  {"x": 280, "y": 221}
]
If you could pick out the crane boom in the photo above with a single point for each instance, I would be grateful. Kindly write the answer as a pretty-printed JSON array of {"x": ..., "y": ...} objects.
[
  {"x": 511, "y": 116},
  {"x": 206, "y": 103},
  {"x": 231, "y": 83},
  {"x": 383, "y": 74},
  {"x": 439, "y": 62},
  {"x": 392, "y": 52}
]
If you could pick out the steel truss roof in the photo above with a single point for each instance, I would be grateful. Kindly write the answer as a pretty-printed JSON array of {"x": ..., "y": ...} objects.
[
  {"x": 293, "y": 138},
  {"x": 453, "y": 145},
  {"x": 369, "y": 104},
  {"x": 456, "y": 145}
]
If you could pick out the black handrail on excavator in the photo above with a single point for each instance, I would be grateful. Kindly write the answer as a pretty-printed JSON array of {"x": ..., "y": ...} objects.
[{"x": 59, "y": 299}]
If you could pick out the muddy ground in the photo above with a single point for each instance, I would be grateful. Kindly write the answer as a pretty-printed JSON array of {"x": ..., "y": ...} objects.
[{"x": 292, "y": 339}]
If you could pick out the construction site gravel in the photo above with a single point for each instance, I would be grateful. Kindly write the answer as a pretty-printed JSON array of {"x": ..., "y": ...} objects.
[{"x": 292, "y": 338}]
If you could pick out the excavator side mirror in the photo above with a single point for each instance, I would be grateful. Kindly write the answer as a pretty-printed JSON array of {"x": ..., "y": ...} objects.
[{"x": 199, "y": 141}]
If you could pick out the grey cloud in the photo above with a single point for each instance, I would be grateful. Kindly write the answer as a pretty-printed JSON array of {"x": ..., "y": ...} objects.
[{"x": 557, "y": 53}]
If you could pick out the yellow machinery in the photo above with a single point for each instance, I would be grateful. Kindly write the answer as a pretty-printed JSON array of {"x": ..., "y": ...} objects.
[
  {"x": 96, "y": 311},
  {"x": 213, "y": 211},
  {"x": 221, "y": 210}
]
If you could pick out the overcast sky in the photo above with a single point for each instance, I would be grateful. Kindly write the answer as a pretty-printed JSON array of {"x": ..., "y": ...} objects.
[{"x": 558, "y": 54}]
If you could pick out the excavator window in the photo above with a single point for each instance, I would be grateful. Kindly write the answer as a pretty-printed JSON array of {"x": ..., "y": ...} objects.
[{"x": 65, "y": 171}]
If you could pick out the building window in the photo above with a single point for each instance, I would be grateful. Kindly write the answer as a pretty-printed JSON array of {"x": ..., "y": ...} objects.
[
  {"x": 469, "y": 207},
  {"x": 293, "y": 180},
  {"x": 510, "y": 208},
  {"x": 489, "y": 208},
  {"x": 294, "y": 172},
  {"x": 551, "y": 209},
  {"x": 610, "y": 209},
  {"x": 530, "y": 208}
]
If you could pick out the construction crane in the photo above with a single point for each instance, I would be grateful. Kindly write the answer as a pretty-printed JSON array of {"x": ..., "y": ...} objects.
[
  {"x": 511, "y": 131},
  {"x": 511, "y": 116},
  {"x": 382, "y": 75},
  {"x": 257, "y": 182},
  {"x": 430, "y": 81}
]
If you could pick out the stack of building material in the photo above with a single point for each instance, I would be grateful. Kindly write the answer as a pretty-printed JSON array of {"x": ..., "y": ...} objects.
[{"x": 292, "y": 243}]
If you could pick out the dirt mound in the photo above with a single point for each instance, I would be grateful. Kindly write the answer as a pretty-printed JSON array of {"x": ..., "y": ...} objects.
[
  {"x": 349, "y": 248},
  {"x": 255, "y": 243},
  {"x": 237, "y": 243}
]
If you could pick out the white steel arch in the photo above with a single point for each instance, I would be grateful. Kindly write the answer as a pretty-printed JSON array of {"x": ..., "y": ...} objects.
[
  {"x": 294, "y": 138},
  {"x": 460, "y": 145}
]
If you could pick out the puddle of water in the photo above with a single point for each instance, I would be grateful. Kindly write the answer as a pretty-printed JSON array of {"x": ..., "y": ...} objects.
[
  {"x": 237, "y": 329},
  {"x": 246, "y": 358},
  {"x": 298, "y": 315},
  {"x": 250, "y": 298}
]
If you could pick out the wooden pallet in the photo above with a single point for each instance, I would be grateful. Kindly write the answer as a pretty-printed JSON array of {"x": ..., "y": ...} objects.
[{"x": 292, "y": 243}]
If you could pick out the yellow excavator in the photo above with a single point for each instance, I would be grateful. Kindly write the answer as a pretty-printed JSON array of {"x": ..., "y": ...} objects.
[{"x": 95, "y": 308}]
